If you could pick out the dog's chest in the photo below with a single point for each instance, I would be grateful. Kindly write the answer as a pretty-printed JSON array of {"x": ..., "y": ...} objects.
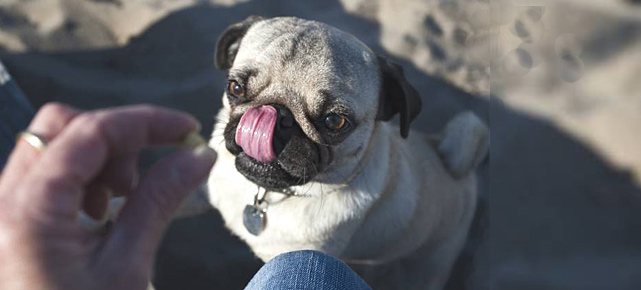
[{"x": 320, "y": 222}]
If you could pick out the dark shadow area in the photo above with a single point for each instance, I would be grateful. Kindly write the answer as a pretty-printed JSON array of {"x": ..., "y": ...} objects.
[
  {"x": 552, "y": 214},
  {"x": 200, "y": 253},
  {"x": 560, "y": 217}
]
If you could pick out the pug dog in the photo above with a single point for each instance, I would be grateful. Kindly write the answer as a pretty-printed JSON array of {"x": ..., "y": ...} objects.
[{"x": 307, "y": 157}]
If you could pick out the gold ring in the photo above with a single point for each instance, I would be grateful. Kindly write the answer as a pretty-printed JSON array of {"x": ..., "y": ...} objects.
[{"x": 33, "y": 139}]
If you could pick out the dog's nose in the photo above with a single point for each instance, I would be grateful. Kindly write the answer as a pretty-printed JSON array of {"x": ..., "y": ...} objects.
[{"x": 284, "y": 128}]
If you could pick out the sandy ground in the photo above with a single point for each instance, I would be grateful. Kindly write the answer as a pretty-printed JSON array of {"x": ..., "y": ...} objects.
[{"x": 561, "y": 202}]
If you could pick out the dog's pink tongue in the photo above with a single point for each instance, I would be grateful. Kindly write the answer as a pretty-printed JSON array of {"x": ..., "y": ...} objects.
[{"x": 255, "y": 133}]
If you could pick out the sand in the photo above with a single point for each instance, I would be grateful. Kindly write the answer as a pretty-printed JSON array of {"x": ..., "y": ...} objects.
[{"x": 558, "y": 82}]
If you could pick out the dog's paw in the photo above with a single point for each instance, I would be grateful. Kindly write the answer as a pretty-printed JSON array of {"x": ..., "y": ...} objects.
[{"x": 464, "y": 144}]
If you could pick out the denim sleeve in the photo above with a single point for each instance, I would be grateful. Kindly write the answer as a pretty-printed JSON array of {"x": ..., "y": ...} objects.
[{"x": 15, "y": 114}]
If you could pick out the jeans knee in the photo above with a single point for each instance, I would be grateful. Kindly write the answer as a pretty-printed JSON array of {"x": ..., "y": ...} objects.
[{"x": 306, "y": 270}]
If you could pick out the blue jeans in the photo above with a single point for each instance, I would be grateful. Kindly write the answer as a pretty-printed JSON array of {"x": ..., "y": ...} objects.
[
  {"x": 15, "y": 114},
  {"x": 306, "y": 270}
]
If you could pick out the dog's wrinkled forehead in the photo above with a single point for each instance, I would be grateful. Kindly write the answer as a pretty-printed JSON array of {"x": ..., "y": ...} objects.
[{"x": 311, "y": 59}]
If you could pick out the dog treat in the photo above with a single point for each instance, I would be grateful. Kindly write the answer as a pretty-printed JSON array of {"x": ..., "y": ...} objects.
[
  {"x": 192, "y": 140},
  {"x": 255, "y": 133}
]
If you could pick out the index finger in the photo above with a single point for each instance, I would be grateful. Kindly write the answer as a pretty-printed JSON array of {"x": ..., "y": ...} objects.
[{"x": 80, "y": 152}]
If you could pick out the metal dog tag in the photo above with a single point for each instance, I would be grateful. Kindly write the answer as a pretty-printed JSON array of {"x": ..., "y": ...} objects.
[
  {"x": 254, "y": 215},
  {"x": 254, "y": 219}
]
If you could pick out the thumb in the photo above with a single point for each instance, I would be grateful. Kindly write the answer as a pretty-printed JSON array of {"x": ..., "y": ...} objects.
[{"x": 149, "y": 209}]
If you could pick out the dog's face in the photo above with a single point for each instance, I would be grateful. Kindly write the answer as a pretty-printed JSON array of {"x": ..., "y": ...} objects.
[{"x": 303, "y": 100}]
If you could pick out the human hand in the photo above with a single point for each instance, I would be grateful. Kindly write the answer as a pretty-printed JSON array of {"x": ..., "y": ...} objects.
[{"x": 42, "y": 245}]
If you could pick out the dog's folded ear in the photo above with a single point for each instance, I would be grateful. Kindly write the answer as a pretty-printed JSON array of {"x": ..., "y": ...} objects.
[
  {"x": 397, "y": 96},
  {"x": 229, "y": 42}
]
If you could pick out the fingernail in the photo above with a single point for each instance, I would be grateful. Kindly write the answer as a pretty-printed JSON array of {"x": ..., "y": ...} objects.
[
  {"x": 135, "y": 180},
  {"x": 193, "y": 140},
  {"x": 195, "y": 165},
  {"x": 91, "y": 224},
  {"x": 205, "y": 151}
]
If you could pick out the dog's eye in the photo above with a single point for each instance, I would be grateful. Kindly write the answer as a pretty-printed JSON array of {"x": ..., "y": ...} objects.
[
  {"x": 234, "y": 89},
  {"x": 335, "y": 122}
]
